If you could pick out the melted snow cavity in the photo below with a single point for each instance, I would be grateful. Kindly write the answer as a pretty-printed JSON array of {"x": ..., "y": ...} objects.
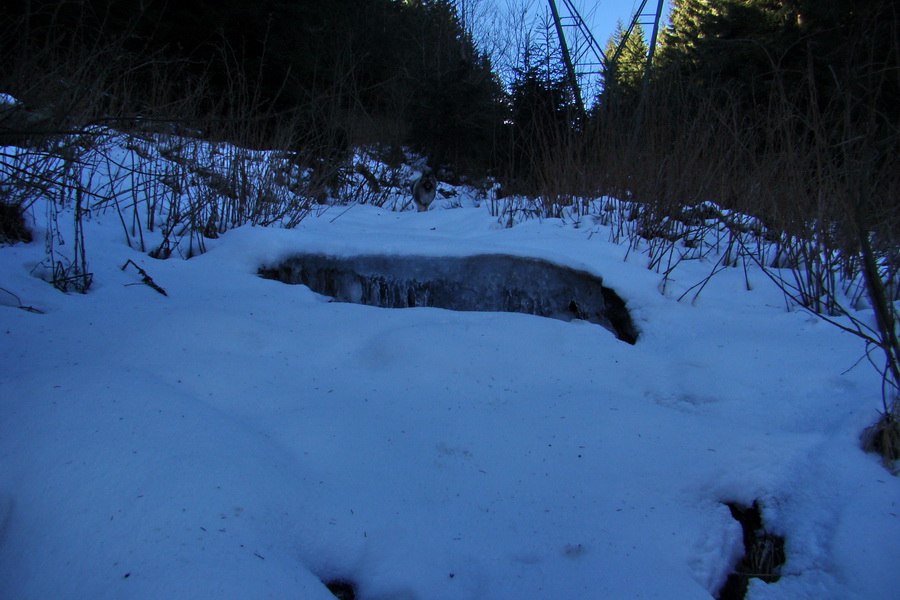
[
  {"x": 763, "y": 553},
  {"x": 487, "y": 282}
]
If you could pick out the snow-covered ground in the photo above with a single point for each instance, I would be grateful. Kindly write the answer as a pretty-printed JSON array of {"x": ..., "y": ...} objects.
[{"x": 242, "y": 438}]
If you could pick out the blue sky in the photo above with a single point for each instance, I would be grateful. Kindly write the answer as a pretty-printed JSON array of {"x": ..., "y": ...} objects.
[
  {"x": 601, "y": 16},
  {"x": 497, "y": 19}
]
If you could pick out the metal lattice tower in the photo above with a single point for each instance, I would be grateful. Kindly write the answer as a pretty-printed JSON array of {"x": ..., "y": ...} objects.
[
  {"x": 645, "y": 18},
  {"x": 585, "y": 60}
]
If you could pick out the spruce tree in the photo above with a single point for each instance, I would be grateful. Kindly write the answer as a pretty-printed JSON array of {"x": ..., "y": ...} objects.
[
  {"x": 679, "y": 40},
  {"x": 626, "y": 62}
]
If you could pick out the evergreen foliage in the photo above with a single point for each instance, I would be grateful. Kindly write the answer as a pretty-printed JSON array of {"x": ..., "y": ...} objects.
[
  {"x": 343, "y": 72},
  {"x": 747, "y": 44},
  {"x": 829, "y": 64},
  {"x": 540, "y": 119},
  {"x": 625, "y": 71},
  {"x": 685, "y": 30}
]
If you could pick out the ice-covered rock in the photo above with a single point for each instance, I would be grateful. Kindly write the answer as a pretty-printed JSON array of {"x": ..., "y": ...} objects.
[{"x": 487, "y": 282}]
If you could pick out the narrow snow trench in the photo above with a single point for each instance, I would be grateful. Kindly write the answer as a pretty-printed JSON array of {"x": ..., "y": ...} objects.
[{"x": 486, "y": 282}]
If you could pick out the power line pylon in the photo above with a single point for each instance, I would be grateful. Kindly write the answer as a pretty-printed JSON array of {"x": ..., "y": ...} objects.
[
  {"x": 582, "y": 54},
  {"x": 584, "y": 59},
  {"x": 645, "y": 18}
]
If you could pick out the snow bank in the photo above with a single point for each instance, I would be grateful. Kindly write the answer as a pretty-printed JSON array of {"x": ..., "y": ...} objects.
[{"x": 241, "y": 438}]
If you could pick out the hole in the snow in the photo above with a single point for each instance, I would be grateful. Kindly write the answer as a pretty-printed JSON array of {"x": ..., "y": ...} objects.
[
  {"x": 12, "y": 223},
  {"x": 487, "y": 282},
  {"x": 342, "y": 589},
  {"x": 763, "y": 553},
  {"x": 883, "y": 438}
]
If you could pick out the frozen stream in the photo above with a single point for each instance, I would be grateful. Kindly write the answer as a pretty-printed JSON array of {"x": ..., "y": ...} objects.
[{"x": 487, "y": 282}]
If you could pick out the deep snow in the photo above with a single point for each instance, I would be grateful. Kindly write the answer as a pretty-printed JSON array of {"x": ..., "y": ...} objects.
[{"x": 242, "y": 438}]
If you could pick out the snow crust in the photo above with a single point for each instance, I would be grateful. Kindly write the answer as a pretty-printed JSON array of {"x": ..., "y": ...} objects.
[{"x": 241, "y": 438}]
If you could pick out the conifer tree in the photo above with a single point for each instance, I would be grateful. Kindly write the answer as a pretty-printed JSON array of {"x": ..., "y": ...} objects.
[
  {"x": 685, "y": 30},
  {"x": 625, "y": 63},
  {"x": 342, "y": 72}
]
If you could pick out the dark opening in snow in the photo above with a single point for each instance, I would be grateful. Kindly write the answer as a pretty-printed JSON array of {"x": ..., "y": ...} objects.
[
  {"x": 487, "y": 282},
  {"x": 763, "y": 553},
  {"x": 12, "y": 223},
  {"x": 342, "y": 589}
]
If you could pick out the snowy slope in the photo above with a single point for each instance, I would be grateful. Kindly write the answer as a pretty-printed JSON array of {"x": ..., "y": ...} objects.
[{"x": 242, "y": 438}]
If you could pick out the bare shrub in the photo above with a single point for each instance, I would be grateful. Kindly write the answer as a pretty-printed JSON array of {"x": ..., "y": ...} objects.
[
  {"x": 804, "y": 185},
  {"x": 100, "y": 128}
]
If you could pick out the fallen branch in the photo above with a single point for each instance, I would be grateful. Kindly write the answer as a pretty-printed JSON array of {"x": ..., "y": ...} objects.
[
  {"x": 20, "y": 305},
  {"x": 145, "y": 278}
]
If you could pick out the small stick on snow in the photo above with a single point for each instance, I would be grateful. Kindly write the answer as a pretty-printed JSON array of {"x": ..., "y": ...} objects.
[{"x": 145, "y": 278}]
